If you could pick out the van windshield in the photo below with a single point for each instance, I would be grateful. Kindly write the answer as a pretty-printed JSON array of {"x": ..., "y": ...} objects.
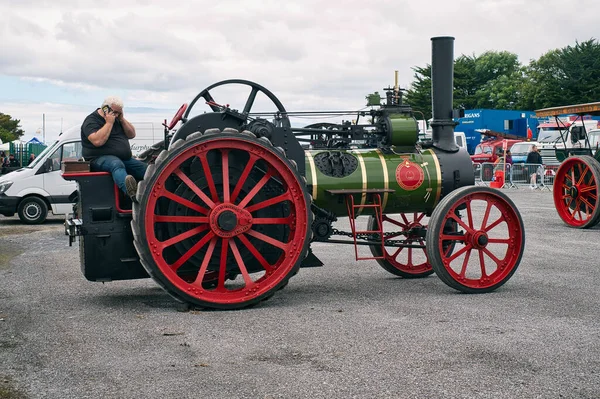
[
  {"x": 42, "y": 155},
  {"x": 483, "y": 150},
  {"x": 520, "y": 149},
  {"x": 549, "y": 136}
]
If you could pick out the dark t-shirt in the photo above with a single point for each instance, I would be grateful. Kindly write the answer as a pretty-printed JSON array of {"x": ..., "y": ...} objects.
[
  {"x": 534, "y": 157},
  {"x": 117, "y": 143}
]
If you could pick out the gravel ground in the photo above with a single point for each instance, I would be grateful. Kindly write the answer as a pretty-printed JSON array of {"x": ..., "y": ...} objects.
[{"x": 345, "y": 330}]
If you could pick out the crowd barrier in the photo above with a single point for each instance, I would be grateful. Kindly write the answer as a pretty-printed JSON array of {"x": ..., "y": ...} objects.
[{"x": 516, "y": 175}]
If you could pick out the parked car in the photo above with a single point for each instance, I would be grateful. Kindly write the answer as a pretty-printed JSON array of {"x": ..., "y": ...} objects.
[
  {"x": 520, "y": 150},
  {"x": 491, "y": 150}
]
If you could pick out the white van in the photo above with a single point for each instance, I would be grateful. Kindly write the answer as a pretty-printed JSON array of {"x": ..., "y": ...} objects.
[
  {"x": 459, "y": 137},
  {"x": 551, "y": 140},
  {"x": 37, "y": 188}
]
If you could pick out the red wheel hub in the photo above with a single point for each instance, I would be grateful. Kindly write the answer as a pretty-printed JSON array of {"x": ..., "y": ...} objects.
[
  {"x": 478, "y": 239},
  {"x": 406, "y": 261},
  {"x": 228, "y": 220}
]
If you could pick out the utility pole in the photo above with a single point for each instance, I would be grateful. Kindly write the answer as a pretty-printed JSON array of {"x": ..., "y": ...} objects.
[{"x": 44, "y": 128}]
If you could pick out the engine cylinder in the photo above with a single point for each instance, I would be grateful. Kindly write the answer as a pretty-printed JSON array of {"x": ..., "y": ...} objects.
[{"x": 406, "y": 182}]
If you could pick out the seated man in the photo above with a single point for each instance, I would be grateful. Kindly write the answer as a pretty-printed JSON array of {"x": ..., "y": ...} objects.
[{"x": 105, "y": 135}]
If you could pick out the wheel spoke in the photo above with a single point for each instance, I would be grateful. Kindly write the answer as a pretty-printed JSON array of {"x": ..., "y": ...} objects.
[
  {"x": 250, "y": 101},
  {"x": 569, "y": 177},
  {"x": 496, "y": 223},
  {"x": 225, "y": 164},
  {"x": 267, "y": 239},
  {"x": 452, "y": 237},
  {"x": 287, "y": 220},
  {"x": 492, "y": 256},
  {"x": 395, "y": 255},
  {"x": 243, "y": 177},
  {"x": 418, "y": 218},
  {"x": 463, "y": 269},
  {"x": 268, "y": 268},
  {"x": 588, "y": 205},
  {"x": 399, "y": 224},
  {"x": 210, "y": 100},
  {"x": 582, "y": 173},
  {"x": 190, "y": 252},
  {"x": 470, "y": 215},
  {"x": 499, "y": 240},
  {"x": 194, "y": 188},
  {"x": 482, "y": 264},
  {"x": 405, "y": 219},
  {"x": 587, "y": 189},
  {"x": 205, "y": 262},
  {"x": 256, "y": 189},
  {"x": 209, "y": 178},
  {"x": 459, "y": 253},
  {"x": 409, "y": 261},
  {"x": 486, "y": 215},
  {"x": 223, "y": 264},
  {"x": 182, "y": 236},
  {"x": 459, "y": 221},
  {"x": 184, "y": 202},
  {"x": 240, "y": 262},
  {"x": 180, "y": 219},
  {"x": 272, "y": 201}
]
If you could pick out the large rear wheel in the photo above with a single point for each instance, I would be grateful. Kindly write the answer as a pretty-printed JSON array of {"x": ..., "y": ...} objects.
[{"x": 223, "y": 219}]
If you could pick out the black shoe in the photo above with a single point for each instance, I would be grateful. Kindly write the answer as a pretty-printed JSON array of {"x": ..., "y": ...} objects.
[{"x": 131, "y": 187}]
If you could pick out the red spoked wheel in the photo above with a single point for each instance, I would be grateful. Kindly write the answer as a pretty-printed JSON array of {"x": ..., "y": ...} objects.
[
  {"x": 486, "y": 246},
  {"x": 576, "y": 191},
  {"x": 405, "y": 262},
  {"x": 223, "y": 219}
]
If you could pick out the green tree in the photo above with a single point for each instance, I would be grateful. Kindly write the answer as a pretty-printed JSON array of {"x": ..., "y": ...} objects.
[
  {"x": 9, "y": 128},
  {"x": 419, "y": 95},
  {"x": 570, "y": 75},
  {"x": 491, "y": 80}
]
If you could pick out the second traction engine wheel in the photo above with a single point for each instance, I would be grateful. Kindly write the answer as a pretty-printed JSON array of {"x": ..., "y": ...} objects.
[
  {"x": 402, "y": 261},
  {"x": 223, "y": 219},
  {"x": 576, "y": 191},
  {"x": 485, "y": 247}
]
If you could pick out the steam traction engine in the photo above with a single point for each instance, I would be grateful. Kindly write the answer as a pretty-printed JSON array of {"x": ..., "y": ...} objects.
[{"x": 231, "y": 202}]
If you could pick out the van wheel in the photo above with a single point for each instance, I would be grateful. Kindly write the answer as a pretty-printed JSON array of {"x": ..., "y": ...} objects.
[{"x": 33, "y": 210}]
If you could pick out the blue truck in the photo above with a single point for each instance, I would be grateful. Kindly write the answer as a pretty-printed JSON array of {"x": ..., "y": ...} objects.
[{"x": 503, "y": 121}]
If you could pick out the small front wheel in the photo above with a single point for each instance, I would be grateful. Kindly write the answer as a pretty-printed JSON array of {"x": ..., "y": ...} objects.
[
  {"x": 485, "y": 247},
  {"x": 33, "y": 210}
]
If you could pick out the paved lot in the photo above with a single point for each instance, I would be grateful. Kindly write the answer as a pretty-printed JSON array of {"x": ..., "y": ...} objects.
[{"x": 348, "y": 329}]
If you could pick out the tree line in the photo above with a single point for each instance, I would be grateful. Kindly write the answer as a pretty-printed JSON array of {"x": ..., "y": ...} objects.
[
  {"x": 497, "y": 80},
  {"x": 9, "y": 128}
]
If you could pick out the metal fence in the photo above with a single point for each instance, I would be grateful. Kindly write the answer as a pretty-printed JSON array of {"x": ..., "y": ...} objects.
[{"x": 516, "y": 175}]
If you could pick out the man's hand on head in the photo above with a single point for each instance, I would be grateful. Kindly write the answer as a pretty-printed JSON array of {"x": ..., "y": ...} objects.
[{"x": 110, "y": 117}]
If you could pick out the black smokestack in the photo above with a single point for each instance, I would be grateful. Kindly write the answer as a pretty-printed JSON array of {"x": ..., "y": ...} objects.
[{"x": 442, "y": 76}]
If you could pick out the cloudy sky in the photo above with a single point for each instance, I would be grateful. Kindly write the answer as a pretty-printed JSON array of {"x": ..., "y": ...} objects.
[{"x": 61, "y": 58}]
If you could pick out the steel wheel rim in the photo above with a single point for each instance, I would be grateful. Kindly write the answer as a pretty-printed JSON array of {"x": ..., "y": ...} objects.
[
  {"x": 214, "y": 232},
  {"x": 576, "y": 190},
  {"x": 411, "y": 253},
  {"x": 476, "y": 237},
  {"x": 36, "y": 208}
]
